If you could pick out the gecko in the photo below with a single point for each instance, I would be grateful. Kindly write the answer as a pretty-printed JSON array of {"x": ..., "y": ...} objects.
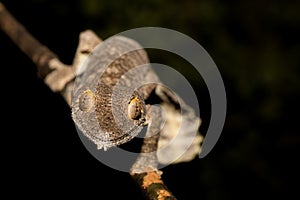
[{"x": 114, "y": 91}]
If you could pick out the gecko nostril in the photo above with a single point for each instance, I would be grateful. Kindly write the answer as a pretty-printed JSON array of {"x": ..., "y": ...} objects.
[{"x": 86, "y": 100}]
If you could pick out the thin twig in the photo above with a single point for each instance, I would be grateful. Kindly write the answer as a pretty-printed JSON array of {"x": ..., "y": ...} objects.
[
  {"x": 38, "y": 53},
  {"x": 144, "y": 171},
  {"x": 60, "y": 78},
  {"x": 57, "y": 75}
]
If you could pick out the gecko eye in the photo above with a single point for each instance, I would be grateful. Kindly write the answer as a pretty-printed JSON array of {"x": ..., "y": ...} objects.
[
  {"x": 86, "y": 100},
  {"x": 135, "y": 108}
]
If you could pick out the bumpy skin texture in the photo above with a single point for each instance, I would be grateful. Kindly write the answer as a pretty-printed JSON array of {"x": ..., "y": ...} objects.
[
  {"x": 108, "y": 103},
  {"x": 112, "y": 75}
]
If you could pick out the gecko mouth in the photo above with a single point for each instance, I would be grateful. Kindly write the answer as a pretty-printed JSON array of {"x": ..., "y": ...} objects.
[
  {"x": 101, "y": 142},
  {"x": 127, "y": 136}
]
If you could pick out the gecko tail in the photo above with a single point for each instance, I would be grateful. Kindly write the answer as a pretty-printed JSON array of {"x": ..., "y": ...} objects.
[{"x": 180, "y": 140}]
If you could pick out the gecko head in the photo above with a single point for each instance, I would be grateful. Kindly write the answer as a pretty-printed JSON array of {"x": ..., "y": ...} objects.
[
  {"x": 96, "y": 120},
  {"x": 106, "y": 107}
]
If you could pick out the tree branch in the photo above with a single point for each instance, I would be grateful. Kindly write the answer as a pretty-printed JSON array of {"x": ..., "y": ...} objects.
[
  {"x": 57, "y": 75},
  {"x": 37, "y": 52},
  {"x": 60, "y": 78},
  {"x": 144, "y": 170}
]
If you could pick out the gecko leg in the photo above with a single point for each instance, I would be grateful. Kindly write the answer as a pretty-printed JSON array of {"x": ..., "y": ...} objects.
[
  {"x": 147, "y": 160},
  {"x": 144, "y": 171}
]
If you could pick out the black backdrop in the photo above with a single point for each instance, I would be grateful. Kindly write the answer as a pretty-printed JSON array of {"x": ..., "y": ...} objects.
[{"x": 255, "y": 45}]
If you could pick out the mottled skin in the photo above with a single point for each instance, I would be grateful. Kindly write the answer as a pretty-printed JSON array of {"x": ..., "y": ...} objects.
[
  {"x": 109, "y": 105},
  {"x": 107, "y": 77}
]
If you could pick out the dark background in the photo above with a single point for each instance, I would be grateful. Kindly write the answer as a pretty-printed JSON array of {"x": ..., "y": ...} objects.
[{"x": 255, "y": 45}]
